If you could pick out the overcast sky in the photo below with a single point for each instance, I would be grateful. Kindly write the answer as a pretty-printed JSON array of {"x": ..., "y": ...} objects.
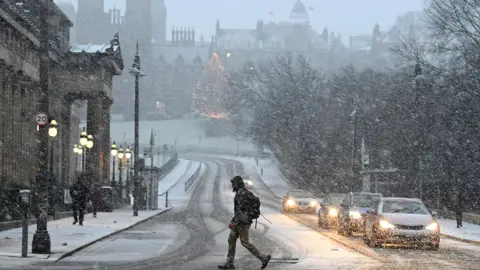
[{"x": 347, "y": 17}]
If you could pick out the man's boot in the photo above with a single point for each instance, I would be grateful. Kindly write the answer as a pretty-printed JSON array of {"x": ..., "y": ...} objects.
[
  {"x": 227, "y": 265},
  {"x": 265, "y": 261}
]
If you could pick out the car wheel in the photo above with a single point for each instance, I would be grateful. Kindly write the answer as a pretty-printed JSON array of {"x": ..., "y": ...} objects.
[
  {"x": 435, "y": 246},
  {"x": 366, "y": 241},
  {"x": 373, "y": 242}
]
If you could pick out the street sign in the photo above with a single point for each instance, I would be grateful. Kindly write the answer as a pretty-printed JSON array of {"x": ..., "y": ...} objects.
[{"x": 41, "y": 119}]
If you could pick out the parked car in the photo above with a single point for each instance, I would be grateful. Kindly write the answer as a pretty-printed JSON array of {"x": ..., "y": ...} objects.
[
  {"x": 328, "y": 213},
  {"x": 299, "y": 200},
  {"x": 353, "y": 210},
  {"x": 401, "y": 221}
]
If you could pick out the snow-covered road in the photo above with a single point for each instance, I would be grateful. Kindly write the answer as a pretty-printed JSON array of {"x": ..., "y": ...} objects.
[{"x": 193, "y": 235}]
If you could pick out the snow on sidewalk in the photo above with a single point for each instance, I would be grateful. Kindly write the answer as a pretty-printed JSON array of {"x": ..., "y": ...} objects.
[
  {"x": 66, "y": 237},
  {"x": 469, "y": 232}
]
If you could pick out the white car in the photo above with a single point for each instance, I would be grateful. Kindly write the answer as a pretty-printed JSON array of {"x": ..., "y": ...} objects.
[{"x": 401, "y": 221}]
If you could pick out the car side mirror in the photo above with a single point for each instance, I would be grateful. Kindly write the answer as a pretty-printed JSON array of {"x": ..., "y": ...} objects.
[{"x": 434, "y": 214}]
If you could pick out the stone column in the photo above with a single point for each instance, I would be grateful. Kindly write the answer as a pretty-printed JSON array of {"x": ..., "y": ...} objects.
[
  {"x": 64, "y": 130},
  {"x": 3, "y": 120},
  {"x": 105, "y": 154},
  {"x": 94, "y": 110}
]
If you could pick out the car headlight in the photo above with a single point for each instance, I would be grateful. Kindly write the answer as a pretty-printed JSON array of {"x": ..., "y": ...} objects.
[
  {"x": 333, "y": 212},
  {"x": 313, "y": 203},
  {"x": 386, "y": 225},
  {"x": 250, "y": 183},
  {"x": 290, "y": 202},
  {"x": 432, "y": 226},
  {"x": 355, "y": 214}
]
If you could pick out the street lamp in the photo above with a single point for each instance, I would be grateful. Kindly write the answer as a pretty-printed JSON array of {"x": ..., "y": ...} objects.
[
  {"x": 41, "y": 243},
  {"x": 113, "y": 152},
  {"x": 128, "y": 156},
  {"x": 120, "y": 156},
  {"x": 137, "y": 72},
  {"x": 89, "y": 143},
  {"x": 52, "y": 132},
  {"x": 80, "y": 154},
  {"x": 53, "y": 128},
  {"x": 83, "y": 137},
  {"x": 128, "y": 153}
]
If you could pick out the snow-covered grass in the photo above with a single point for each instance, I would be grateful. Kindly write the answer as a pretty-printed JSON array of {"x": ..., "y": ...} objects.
[
  {"x": 468, "y": 231},
  {"x": 66, "y": 237},
  {"x": 174, "y": 183}
]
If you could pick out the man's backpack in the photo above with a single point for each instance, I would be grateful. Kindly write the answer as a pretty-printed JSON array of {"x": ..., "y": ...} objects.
[{"x": 254, "y": 207}]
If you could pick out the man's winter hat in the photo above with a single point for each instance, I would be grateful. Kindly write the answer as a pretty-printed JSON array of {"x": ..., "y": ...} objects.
[{"x": 237, "y": 180}]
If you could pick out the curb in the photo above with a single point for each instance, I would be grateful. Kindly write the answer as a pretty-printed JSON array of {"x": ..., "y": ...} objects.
[
  {"x": 461, "y": 239},
  {"x": 71, "y": 252}
]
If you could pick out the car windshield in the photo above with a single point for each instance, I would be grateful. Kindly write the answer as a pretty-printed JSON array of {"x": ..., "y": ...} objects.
[
  {"x": 404, "y": 207},
  {"x": 365, "y": 201},
  {"x": 336, "y": 199},
  {"x": 301, "y": 194}
]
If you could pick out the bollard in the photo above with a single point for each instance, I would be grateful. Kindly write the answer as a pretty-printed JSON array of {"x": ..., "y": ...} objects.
[
  {"x": 25, "y": 204},
  {"x": 166, "y": 199},
  {"x": 25, "y": 233},
  {"x": 261, "y": 171}
]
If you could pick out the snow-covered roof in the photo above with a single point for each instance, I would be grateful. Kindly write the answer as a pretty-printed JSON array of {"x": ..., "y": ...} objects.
[{"x": 91, "y": 48}]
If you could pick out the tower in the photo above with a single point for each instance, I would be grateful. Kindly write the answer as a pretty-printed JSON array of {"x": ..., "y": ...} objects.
[
  {"x": 299, "y": 14},
  {"x": 92, "y": 22},
  {"x": 159, "y": 21},
  {"x": 138, "y": 26}
]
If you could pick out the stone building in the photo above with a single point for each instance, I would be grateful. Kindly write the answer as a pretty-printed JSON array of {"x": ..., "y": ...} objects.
[
  {"x": 69, "y": 80},
  {"x": 19, "y": 75},
  {"x": 237, "y": 46},
  {"x": 134, "y": 25},
  {"x": 178, "y": 66},
  {"x": 377, "y": 50}
]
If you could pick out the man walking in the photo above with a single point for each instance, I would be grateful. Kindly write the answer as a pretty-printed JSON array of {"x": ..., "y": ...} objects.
[
  {"x": 79, "y": 192},
  {"x": 240, "y": 224}
]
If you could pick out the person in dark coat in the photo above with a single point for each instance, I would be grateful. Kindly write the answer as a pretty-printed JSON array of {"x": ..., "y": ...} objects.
[
  {"x": 240, "y": 225},
  {"x": 459, "y": 209},
  {"x": 96, "y": 199},
  {"x": 79, "y": 193}
]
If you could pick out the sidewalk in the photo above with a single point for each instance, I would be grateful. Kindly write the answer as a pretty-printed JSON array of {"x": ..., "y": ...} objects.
[{"x": 66, "y": 238}]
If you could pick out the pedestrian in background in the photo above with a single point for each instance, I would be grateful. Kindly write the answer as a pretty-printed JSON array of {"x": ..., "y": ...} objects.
[{"x": 79, "y": 192}]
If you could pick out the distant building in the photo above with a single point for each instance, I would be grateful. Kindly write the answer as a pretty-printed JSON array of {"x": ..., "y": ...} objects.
[
  {"x": 135, "y": 25},
  {"x": 237, "y": 46},
  {"x": 377, "y": 50}
]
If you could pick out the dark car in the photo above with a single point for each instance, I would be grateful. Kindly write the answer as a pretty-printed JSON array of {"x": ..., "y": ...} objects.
[
  {"x": 401, "y": 221},
  {"x": 299, "y": 200},
  {"x": 328, "y": 213},
  {"x": 353, "y": 210}
]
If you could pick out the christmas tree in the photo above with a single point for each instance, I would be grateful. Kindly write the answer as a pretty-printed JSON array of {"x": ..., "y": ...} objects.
[{"x": 210, "y": 93}]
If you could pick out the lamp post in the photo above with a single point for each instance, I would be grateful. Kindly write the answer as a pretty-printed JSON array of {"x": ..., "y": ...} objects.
[
  {"x": 137, "y": 72},
  {"x": 120, "y": 157},
  {"x": 128, "y": 156},
  {"x": 75, "y": 150},
  {"x": 113, "y": 153},
  {"x": 83, "y": 143},
  {"x": 41, "y": 243},
  {"x": 52, "y": 132},
  {"x": 80, "y": 155}
]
